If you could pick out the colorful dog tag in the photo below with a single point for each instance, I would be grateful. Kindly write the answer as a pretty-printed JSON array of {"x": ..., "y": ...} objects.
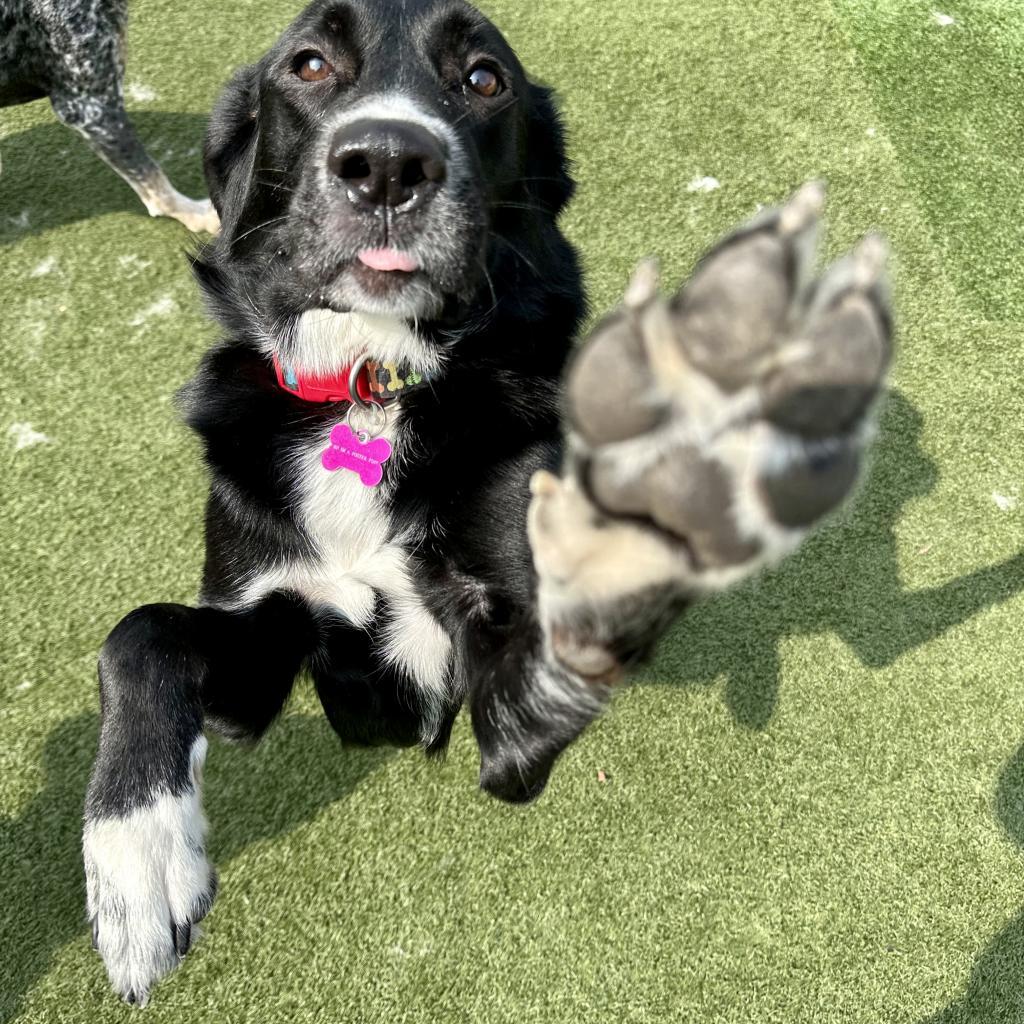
[{"x": 347, "y": 451}]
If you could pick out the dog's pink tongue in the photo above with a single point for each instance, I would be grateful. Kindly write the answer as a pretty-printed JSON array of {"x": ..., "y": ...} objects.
[{"x": 388, "y": 259}]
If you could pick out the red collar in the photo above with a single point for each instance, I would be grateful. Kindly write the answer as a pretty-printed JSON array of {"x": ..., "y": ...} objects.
[{"x": 380, "y": 382}]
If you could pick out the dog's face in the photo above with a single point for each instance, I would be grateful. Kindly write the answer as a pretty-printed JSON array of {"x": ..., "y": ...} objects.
[{"x": 375, "y": 159}]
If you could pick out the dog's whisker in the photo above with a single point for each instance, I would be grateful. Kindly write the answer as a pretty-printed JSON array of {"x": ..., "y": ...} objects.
[
  {"x": 509, "y": 205},
  {"x": 249, "y": 299},
  {"x": 532, "y": 177},
  {"x": 485, "y": 317},
  {"x": 516, "y": 251},
  {"x": 276, "y": 185},
  {"x": 259, "y": 227},
  {"x": 493, "y": 113}
]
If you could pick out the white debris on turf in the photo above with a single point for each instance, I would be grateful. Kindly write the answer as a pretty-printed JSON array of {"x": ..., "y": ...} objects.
[
  {"x": 24, "y": 435},
  {"x": 164, "y": 306},
  {"x": 133, "y": 263},
  {"x": 139, "y": 93},
  {"x": 703, "y": 184},
  {"x": 44, "y": 267}
]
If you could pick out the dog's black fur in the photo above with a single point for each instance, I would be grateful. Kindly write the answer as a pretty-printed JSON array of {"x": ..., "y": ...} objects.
[
  {"x": 389, "y": 183},
  {"x": 498, "y": 301},
  {"x": 505, "y": 321}
]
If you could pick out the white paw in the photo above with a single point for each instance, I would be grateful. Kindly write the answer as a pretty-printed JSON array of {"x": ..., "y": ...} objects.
[
  {"x": 148, "y": 884},
  {"x": 196, "y": 215}
]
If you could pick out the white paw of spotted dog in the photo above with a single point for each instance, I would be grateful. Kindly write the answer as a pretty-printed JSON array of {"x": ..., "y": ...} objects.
[
  {"x": 710, "y": 432},
  {"x": 163, "y": 200},
  {"x": 197, "y": 215},
  {"x": 148, "y": 884}
]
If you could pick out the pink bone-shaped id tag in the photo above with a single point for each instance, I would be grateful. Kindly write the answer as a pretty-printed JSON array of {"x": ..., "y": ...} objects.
[{"x": 366, "y": 458}]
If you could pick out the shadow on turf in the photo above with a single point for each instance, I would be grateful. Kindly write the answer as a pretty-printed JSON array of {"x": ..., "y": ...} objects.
[
  {"x": 50, "y": 176},
  {"x": 845, "y": 580},
  {"x": 250, "y": 794},
  {"x": 995, "y": 989}
]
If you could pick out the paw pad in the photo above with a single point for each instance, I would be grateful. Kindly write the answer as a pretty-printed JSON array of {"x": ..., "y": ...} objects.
[
  {"x": 729, "y": 413},
  {"x": 710, "y": 430}
]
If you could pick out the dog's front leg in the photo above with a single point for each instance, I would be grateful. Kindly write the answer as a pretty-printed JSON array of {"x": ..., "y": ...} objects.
[
  {"x": 526, "y": 708},
  {"x": 709, "y": 433},
  {"x": 165, "y": 671}
]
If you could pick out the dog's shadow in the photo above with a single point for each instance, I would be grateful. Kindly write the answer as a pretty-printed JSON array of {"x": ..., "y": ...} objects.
[
  {"x": 252, "y": 794},
  {"x": 846, "y": 580},
  {"x": 50, "y": 176},
  {"x": 995, "y": 989}
]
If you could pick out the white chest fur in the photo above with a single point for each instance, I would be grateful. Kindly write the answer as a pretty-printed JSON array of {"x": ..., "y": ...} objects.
[
  {"x": 355, "y": 556},
  {"x": 350, "y": 530},
  {"x": 323, "y": 341}
]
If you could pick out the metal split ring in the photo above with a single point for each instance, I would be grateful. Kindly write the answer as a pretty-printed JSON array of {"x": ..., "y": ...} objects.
[
  {"x": 353, "y": 384},
  {"x": 364, "y": 405}
]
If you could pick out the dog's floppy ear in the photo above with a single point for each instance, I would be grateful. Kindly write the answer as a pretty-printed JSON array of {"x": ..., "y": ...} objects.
[
  {"x": 546, "y": 177},
  {"x": 230, "y": 145}
]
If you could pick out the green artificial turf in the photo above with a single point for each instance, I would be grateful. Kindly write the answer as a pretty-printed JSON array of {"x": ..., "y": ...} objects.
[{"x": 814, "y": 799}]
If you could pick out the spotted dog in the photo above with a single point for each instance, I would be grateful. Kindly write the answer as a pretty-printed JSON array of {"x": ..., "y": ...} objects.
[
  {"x": 398, "y": 306},
  {"x": 72, "y": 51}
]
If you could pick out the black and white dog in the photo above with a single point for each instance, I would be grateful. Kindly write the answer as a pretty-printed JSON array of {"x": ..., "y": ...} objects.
[
  {"x": 398, "y": 305},
  {"x": 73, "y": 52}
]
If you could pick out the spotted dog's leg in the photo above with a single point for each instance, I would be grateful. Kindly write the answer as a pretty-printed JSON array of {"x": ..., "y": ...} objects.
[
  {"x": 104, "y": 124},
  {"x": 710, "y": 432},
  {"x": 165, "y": 672},
  {"x": 86, "y": 89}
]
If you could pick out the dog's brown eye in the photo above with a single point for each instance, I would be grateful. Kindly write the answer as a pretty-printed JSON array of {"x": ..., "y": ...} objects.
[
  {"x": 311, "y": 67},
  {"x": 483, "y": 81}
]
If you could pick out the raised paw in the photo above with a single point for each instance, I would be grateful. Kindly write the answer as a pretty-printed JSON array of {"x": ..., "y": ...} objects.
[
  {"x": 608, "y": 585},
  {"x": 711, "y": 430},
  {"x": 148, "y": 885}
]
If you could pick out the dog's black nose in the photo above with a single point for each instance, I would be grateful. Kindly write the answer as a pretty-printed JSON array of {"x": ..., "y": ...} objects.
[{"x": 397, "y": 164}]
